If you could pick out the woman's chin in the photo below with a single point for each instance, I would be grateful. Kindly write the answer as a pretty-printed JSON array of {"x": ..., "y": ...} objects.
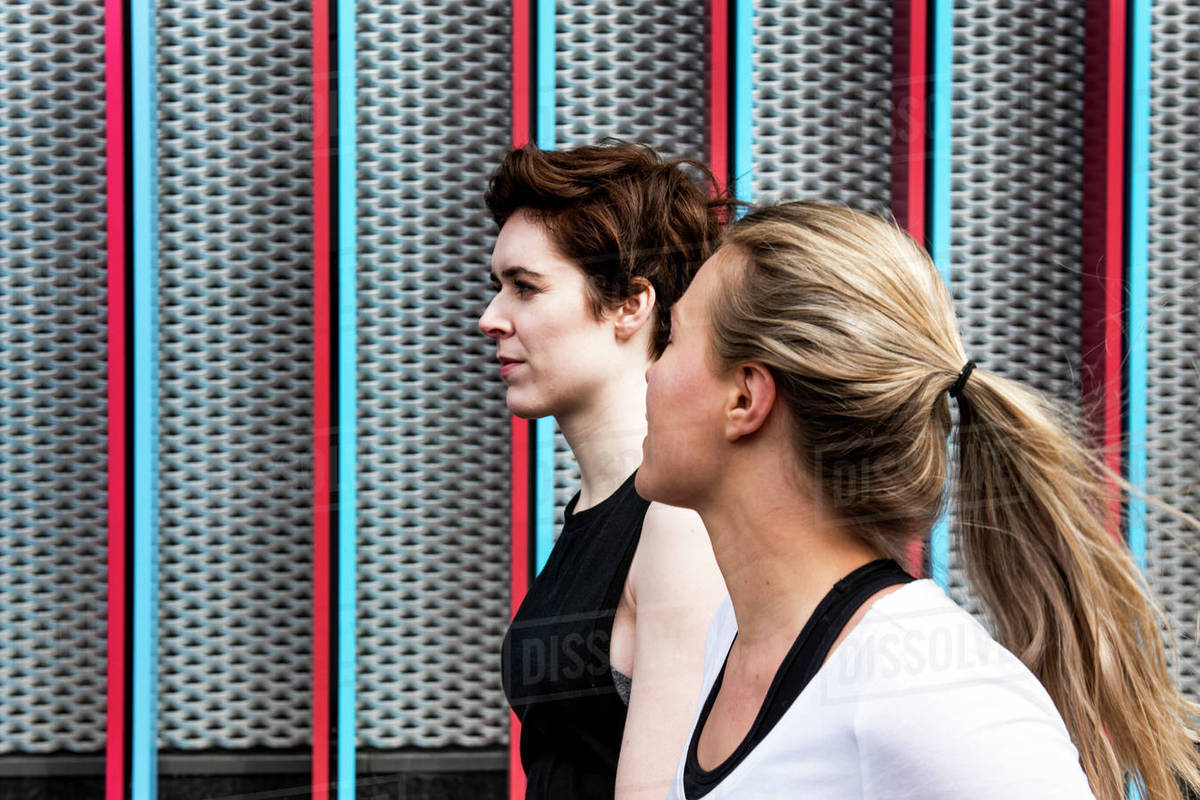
[
  {"x": 523, "y": 408},
  {"x": 645, "y": 484}
]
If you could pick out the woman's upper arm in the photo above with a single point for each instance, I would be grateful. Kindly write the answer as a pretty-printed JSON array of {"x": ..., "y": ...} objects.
[{"x": 676, "y": 588}]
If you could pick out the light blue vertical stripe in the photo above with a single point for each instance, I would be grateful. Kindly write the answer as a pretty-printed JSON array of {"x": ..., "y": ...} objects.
[
  {"x": 347, "y": 165},
  {"x": 544, "y": 492},
  {"x": 144, "y": 745},
  {"x": 1137, "y": 181},
  {"x": 544, "y": 428},
  {"x": 941, "y": 135},
  {"x": 743, "y": 104},
  {"x": 545, "y": 74},
  {"x": 1137, "y": 241},
  {"x": 939, "y": 216}
]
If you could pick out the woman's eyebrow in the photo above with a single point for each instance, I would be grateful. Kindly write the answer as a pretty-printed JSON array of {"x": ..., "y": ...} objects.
[{"x": 517, "y": 272}]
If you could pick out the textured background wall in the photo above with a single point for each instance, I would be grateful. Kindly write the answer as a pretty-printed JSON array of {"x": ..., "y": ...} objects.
[
  {"x": 1016, "y": 195},
  {"x": 433, "y": 121},
  {"x": 1173, "y": 551},
  {"x": 53, "y": 459},
  {"x": 235, "y": 375},
  {"x": 434, "y": 116}
]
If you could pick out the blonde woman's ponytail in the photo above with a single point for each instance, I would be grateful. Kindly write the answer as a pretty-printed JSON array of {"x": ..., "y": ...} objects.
[{"x": 1064, "y": 596}]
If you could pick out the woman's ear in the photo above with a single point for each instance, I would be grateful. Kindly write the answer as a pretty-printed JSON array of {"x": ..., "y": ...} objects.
[
  {"x": 634, "y": 312},
  {"x": 751, "y": 398}
]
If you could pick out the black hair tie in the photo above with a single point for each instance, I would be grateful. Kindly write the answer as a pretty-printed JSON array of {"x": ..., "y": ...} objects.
[{"x": 957, "y": 388}]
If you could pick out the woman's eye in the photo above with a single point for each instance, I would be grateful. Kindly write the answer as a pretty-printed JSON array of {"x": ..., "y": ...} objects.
[{"x": 524, "y": 288}]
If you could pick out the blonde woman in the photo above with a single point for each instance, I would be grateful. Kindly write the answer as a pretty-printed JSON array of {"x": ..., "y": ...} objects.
[{"x": 802, "y": 407}]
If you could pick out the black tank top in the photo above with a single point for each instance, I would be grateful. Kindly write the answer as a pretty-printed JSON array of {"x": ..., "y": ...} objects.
[{"x": 555, "y": 664}]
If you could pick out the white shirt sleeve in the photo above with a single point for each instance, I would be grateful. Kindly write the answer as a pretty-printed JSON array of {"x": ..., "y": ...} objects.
[{"x": 991, "y": 740}]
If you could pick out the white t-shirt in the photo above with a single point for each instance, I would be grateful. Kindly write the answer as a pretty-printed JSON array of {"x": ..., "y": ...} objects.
[{"x": 917, "y": 702}]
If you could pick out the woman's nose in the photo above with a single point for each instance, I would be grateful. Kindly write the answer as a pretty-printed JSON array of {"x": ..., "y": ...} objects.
[{"x": 492, "y": 323}]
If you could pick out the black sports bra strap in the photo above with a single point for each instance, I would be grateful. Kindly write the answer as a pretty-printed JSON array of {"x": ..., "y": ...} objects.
[{"x": 801, "y": 663}]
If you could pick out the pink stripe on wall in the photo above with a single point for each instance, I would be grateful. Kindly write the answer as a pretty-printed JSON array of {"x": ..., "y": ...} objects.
[
  {"x": 114, "y": 78},
  {"x": 718, "y": 100},
  {"x": 322, "y": 403},
  {"x": 910, "y": 84},
  {"x": 522, "y": 119},
  {"x": 1103, "y": 235}
]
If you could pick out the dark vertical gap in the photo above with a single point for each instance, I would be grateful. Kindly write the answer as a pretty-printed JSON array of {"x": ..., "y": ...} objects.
[
  {"x": 531, "y": 459},
  {"x": 1126, "y": 284},
  {"x": 532, "y": 515},
  {"x": 931, "y": 45},
  {"x": 731, "y": 114},
  {"x": 532, "y": 106},
  {"x": 334, "y": 399},
  {"x": 127, "y": 180},
  {"x": 930, "y": 58}
]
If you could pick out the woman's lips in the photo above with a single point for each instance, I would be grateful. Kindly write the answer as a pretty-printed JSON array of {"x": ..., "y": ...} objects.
[{"x": 509, "y": 366}]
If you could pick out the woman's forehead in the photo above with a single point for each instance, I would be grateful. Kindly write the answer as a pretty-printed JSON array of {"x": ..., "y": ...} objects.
[{"x": 709, "y": 280}]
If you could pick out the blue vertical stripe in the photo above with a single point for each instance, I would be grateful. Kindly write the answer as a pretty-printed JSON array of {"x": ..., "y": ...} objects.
[
  {"x": 144, "y": 747},
  {"x": 1137, "y": 202},
  {"x": 1137, "y": 275},
  {"x": 939, "y": 215},
  {"x": 544, "y": 492},
  {"x": 743, "y": 105},
  {"x": 544, "y": 428},
  {"x": 941, "y": 133},
  {"x": 346, "y": 480},
  {"x": 545, "y": 74}
]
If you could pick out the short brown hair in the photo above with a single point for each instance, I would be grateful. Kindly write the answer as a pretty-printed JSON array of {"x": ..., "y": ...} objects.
[{"x": 619, "y": 211}]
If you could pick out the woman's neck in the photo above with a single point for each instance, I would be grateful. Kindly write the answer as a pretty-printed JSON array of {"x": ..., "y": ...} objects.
[
  {"x": 779, "y": 553},
  {"x": 606, "y": 437}
]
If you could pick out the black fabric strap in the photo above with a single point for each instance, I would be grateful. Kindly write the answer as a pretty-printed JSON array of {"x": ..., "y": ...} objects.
[{"x": 799, "y": 666}]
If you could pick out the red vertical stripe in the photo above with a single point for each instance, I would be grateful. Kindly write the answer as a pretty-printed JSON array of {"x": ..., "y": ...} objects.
[
  {"x": 522, "y": 100},
  {"x": 910, "y": 82},
  {"x": 718, "y": 98},
  {"x": 522, "y": 72},
  {"x": 322, "y": 421},
  {"x": 1103, "y": 233},
  {"x": 520, "y": 578},
  {"x": 910, "y": 20},
  {"x": 114, "y": 91}
]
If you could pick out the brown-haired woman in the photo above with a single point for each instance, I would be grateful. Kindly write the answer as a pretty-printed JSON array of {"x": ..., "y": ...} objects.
[
  {"x": 802, "y": 408},
  {"x": 602, "y": 662}
]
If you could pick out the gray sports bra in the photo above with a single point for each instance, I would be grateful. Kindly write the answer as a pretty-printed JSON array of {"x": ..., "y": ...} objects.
[{"x": 623, "y": 683}]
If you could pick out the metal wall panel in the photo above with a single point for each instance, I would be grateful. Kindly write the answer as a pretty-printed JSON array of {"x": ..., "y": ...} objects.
[
  {"x": 434, "y": 103},
  {"x": 1016, "y": 195},
  {"x": 1173, "y": 391},
  {"x": 53, "y": 382},
  {"x": 822, "y": 99},
  {"x": 235, "y": 374},
  {"x": 636, "y": 70},
  {"x": 633, "y": 69}
]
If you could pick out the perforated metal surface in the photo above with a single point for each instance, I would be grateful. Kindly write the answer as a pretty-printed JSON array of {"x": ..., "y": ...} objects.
[
  {"x": 822, "y": 82},
  {"x": 53, "y": 382},
  {"x": 235, "y": 373},
  {"x": 1173, "y": 397},
  {"x": 433, "y": 508},
  {"x": 1016, "y": 194},
  {"x": 636, "y": 71}
]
